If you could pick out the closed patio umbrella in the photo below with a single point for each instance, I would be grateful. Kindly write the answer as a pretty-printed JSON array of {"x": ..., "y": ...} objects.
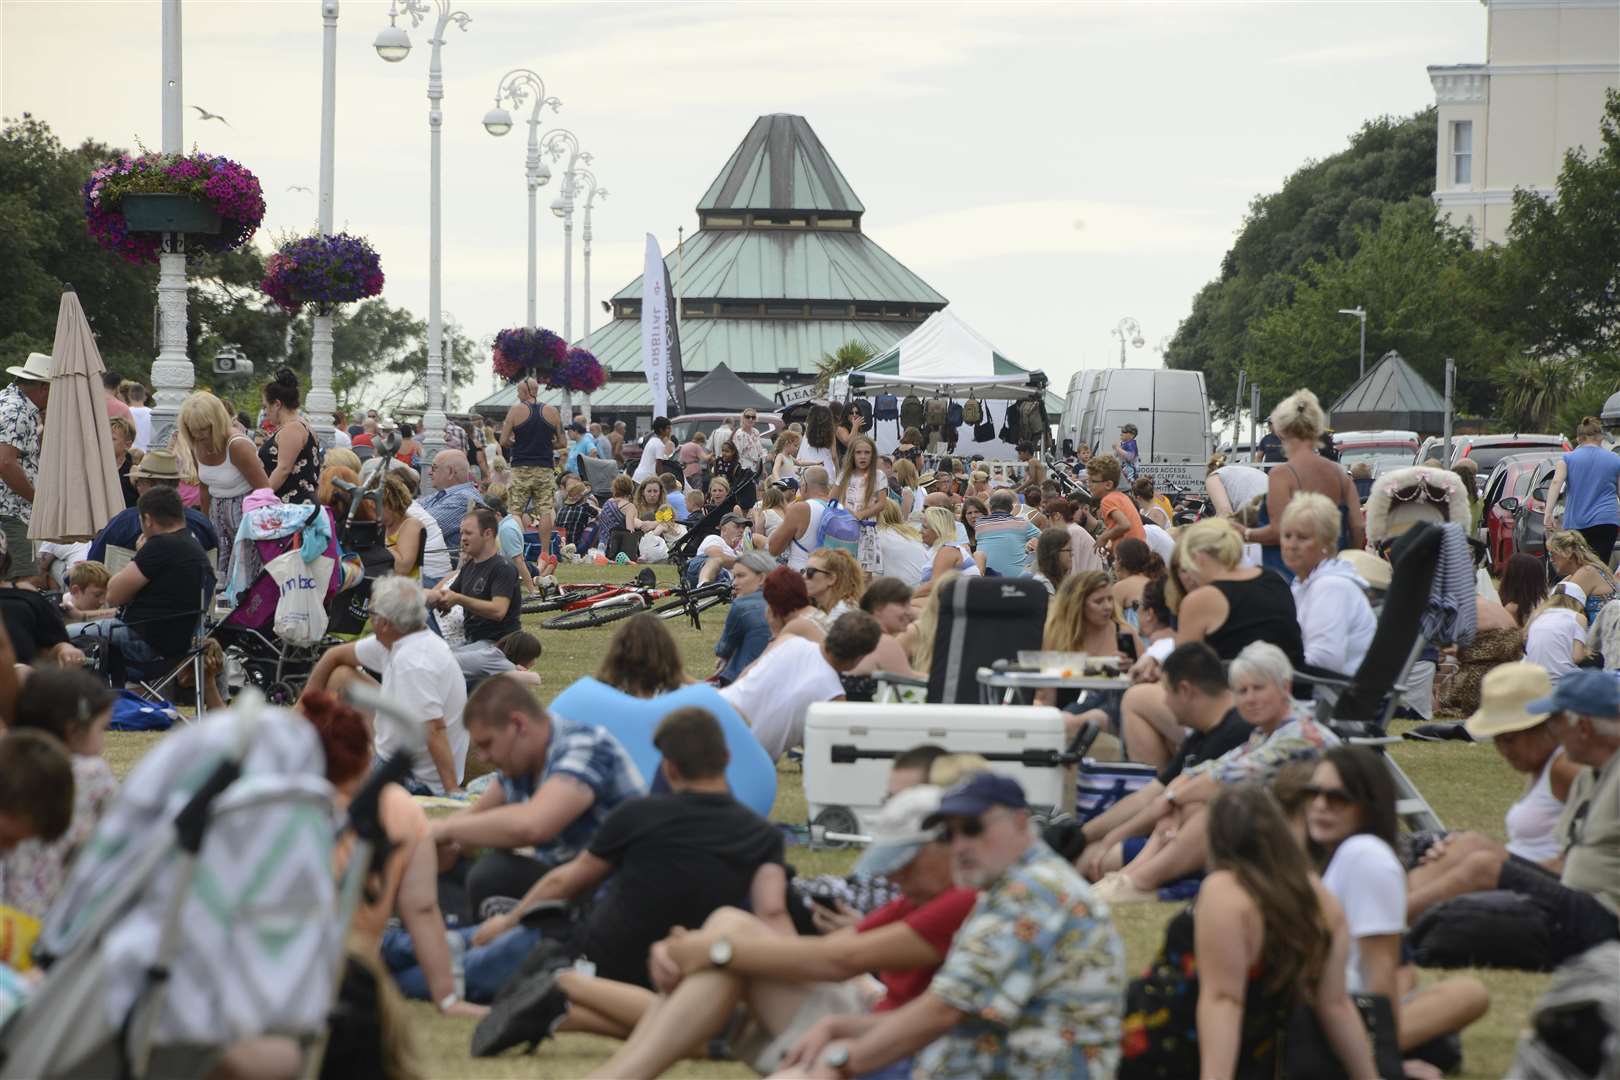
[{"x": 77, "y": 491}]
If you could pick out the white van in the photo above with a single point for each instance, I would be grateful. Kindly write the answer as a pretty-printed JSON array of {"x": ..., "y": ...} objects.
[{"x": 1169, "y": 408}]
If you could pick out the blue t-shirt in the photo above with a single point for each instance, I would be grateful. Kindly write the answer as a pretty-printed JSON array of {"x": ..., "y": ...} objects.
[
  {"x": 592, "y": 756},
  {"x": 510, "y": 537},
  {"x": 1591, "y": 475},
  {"x": 677, "y": 502},
  {"x": 578, "y": 449}
]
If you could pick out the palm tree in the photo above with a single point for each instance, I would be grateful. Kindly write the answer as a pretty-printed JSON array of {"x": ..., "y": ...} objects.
[
  {"x": 1534, "y": 389},
  {"x": 850, "y": 355}
]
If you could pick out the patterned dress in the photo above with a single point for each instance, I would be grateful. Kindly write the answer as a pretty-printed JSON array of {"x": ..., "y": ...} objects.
[
  {"x": 305, "y": 478},
  {"x": 19, "y": 428}
]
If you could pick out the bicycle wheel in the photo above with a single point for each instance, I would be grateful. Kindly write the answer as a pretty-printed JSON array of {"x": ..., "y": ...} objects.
[
  {"x": 585, "y": 618},
  {"x": 560, "y": 599},
  {"x": 698, "y": 600}
]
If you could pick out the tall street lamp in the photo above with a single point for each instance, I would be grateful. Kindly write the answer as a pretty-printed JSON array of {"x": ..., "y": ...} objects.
[
  {"x": 562, "y": 141},
  {"x": 1128, "y": 330},
  {"x": 321, "y": 401},
  {"x": 393, "y": 44},
  {"x": 1361, "y": 313},
  {"x": 592, "y": 193},
  {"x": 516, "y": 87},
  {"x": 172, "y": 374}
]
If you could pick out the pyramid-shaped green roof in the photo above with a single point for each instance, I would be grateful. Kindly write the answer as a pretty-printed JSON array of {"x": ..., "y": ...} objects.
[{"x": 780, "y": 165}]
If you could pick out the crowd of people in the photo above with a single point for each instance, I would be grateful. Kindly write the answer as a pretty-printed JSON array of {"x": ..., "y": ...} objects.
[{"x": 615, "y": 872}]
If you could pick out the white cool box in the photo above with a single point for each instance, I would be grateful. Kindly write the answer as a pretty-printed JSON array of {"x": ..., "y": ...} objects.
[{"x": 849, "y": 747}]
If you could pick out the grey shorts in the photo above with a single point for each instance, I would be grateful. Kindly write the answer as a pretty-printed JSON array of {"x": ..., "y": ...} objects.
[
  {"x": 18, "y": 546},
  {"x": 481, "y": 659},
  {"x": 752, "y": 1043}
]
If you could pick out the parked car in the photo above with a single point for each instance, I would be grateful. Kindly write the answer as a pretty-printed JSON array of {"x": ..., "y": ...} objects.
[
  {"x": 1383, "y": 450},
  {"x": 1529, "y": 535},
  {"x": 1508, "y": 486},
  {"x": 1487, "y": 450}
]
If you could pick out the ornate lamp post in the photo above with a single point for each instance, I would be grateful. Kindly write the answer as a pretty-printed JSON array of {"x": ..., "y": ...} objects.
[
  {"x": 592, "y": 193},
  {"x": 1128, "y": 330},
  {"x": 393, "y": 44},
  {"x": 562, "y": 141},
  {"x": 517, "y": 86},
  {"x": 172, "y": 374},
  {"x": 321, "y": 400}
]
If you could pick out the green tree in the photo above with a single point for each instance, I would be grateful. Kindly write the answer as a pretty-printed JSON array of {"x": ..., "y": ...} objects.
[
  {"x": 1428, "y": 295},
  {"x": 1533, "y": 389},
  {"x": 1322, "y": 210},
  {"x": 850, "y": 355}
]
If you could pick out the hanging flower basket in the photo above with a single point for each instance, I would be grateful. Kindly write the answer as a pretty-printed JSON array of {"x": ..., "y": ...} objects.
[
  {"x": 215, "y": 201},
  {"x": 322, "y": 270},
  {"x": 520, "y": 351},
  {"x": 579, "y": 373}
]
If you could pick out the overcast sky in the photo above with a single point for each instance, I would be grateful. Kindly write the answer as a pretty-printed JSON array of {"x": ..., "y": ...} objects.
[{"x": 1049, "y": 168}]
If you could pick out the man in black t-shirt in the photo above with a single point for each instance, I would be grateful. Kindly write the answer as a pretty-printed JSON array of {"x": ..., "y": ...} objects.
[
  {"x": 489, "y": 592},
  {"x": 667, "y": 860},
  {"x": 164, "y": 588},
  {"x": 1270, "y": 448},
  {"x": 1198, "y": 697}
]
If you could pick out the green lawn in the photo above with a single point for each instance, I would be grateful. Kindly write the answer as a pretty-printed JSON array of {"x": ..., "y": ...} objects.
[{"x": 1468, "y": 785}]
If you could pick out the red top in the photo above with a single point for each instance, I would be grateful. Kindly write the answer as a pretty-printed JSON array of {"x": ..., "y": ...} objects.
[
  {"x": 117, "y": 407},
  {"x": 936, "y": 922}
]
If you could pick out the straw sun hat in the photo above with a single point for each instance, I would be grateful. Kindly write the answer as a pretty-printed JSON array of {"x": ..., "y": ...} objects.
[{"x": 1504, "y": 696}]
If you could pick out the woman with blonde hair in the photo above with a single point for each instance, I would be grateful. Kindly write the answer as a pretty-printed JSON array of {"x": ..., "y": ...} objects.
[
  {"x": 1573, "y": 559},
  {"x": 1080, "y": 618},
  {"x": 1555, "y": 633},
  {"x": 835, "y": 582},
  {"x": 228, "y": 466},
  {"x": 1336, "y": 622},
  {"x": 948, "y": 555},
  {"x": 911, "y": 492},
  {"x": 414, "y": 538},
  {"x": 918, "y": 640},
  {"x": 902, "y": 553},
  {"x": 862, "y": 487},
  {"x": 1299, "y": 422},
  {"x": 650, "y": 498}
]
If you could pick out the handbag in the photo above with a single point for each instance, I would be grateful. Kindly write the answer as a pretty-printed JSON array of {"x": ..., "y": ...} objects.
[{"x": 1307, "y": 1052}]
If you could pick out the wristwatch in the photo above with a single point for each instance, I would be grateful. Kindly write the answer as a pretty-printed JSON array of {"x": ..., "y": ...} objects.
[
  {"x": 720, "y": 953},
  {"x": 836, "y": 1057}
]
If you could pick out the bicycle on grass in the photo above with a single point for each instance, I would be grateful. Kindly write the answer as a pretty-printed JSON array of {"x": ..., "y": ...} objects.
[{"x": 589, "y": 604}]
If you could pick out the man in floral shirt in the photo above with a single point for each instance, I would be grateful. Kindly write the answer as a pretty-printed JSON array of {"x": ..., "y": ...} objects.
[
  {"x": 1034, "y": 983},
  {"x": 22, "y": 423}
]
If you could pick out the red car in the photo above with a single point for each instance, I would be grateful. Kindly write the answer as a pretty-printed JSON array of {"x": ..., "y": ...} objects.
[{"x": 1509, "y": 481}]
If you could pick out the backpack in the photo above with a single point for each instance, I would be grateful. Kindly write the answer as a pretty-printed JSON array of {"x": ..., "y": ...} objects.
[
  {"x": 1030, "y": 425},
  {"x": 936, "y": 412},
  {"x": 888, "y": 408},
  {"x": 911, "y": 412},
  {"x": 838, "y": 529},
  {"x": 953, "y": 415},
  {"x": 972, "y": 412}
]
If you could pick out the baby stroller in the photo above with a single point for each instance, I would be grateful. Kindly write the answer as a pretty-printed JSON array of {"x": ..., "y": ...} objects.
[
  {"x": 203, "y": 910},
  {"x": 254, "y": 654}
]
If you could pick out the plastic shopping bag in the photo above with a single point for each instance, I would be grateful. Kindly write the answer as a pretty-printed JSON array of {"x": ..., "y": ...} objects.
[{"x": 301, "y": 609}]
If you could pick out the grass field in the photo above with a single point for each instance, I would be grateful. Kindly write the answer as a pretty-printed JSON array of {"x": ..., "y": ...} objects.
[{"x": 1469, "y": 786}]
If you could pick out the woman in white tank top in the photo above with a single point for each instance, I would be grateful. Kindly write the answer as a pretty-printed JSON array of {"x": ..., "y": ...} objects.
[{"x": 228, "y": 467}]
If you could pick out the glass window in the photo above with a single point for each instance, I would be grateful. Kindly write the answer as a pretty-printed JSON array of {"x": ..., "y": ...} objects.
[{"x": 1462, "y": 152}]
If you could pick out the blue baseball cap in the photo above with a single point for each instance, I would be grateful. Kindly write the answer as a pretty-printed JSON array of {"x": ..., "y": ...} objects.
[
  {"x": 978, "y": 793},
  {"x": 1590, "y": 693}
]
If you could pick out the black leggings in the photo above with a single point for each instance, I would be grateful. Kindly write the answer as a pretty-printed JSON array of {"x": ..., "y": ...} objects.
[{"x": 1601, "y": 538}]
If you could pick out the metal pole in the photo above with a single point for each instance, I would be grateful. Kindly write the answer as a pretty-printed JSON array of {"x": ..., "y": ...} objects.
[
  {"x": 568, "y": 257},
  {"x": 531, "y": 170},
  {"x": 680, "y": 275},
  {"x": 321, "y": 401},
  {"x": 1363, "y": 343},
  {"x": 172, "y": 373},
  {"x": 1237, "y": 408},
  {"x": 1451, "y": 386},
  {"x": 433, "y": 418},
  {"x": 1254, "y": 418}
]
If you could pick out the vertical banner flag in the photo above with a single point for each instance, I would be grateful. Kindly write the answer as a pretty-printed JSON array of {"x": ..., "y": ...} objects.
[{"x": 660, "y": 345}]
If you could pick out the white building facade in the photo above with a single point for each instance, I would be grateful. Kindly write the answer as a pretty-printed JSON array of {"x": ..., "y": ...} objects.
[{"x": 1508, "y": 122}]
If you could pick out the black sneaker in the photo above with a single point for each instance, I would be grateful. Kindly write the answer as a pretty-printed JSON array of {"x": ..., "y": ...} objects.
[{"x": 528, "y": 1014}]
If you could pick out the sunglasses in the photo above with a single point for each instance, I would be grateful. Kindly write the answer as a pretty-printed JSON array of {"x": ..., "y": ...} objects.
[
  {"x": 812, "y": 571},
  {"x": 1334, "y": 796},
  {"x": 749, "y": 416},
  {"x": 971, "y": 828}
]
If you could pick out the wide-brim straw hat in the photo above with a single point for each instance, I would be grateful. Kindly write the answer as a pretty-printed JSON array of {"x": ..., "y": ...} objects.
[
  {"x": 1505, "y": 695},
  {"x": 157, "y": 465}
]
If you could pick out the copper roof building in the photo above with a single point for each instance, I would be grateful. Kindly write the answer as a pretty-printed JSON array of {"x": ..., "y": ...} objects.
[{"x": 779, "y": 273}]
